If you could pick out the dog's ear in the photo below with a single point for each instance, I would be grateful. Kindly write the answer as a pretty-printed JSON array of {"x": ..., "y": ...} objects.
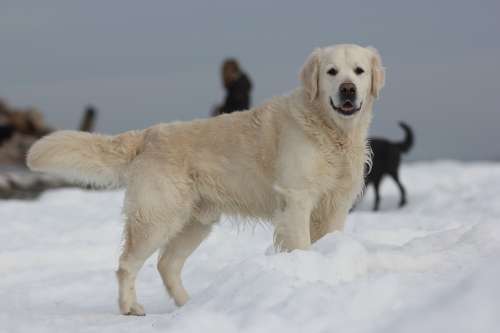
[
  {"x": 378, "y": 73},
  {"x": 309, "y": 75}
]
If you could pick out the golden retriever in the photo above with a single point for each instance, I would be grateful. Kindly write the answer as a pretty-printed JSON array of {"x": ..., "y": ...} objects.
[{"x": 297, "y": 160}]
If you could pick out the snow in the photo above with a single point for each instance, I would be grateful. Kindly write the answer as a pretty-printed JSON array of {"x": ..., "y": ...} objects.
[{"x": 429, "y": 267}]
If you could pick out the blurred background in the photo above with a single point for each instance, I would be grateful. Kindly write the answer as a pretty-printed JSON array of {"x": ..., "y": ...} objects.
[{"x": 144, "y": 62}]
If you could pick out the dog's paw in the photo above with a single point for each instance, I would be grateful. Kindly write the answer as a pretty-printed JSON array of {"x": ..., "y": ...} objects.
[{"x": 134, "y": 310}]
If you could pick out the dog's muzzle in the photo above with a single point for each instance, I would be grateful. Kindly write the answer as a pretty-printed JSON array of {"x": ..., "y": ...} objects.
[
  {"x": 347, "y": 95},
  {"x": 347, "y": 108}
]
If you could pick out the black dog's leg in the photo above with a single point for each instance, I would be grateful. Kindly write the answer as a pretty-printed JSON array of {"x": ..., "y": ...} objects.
[
  {"x": 402, "y": 202},
  {"x": 376, "y": 185}
]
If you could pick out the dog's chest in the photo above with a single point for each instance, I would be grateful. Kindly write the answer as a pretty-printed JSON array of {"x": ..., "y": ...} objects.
[
  {"x": 320, "y": 163},
  {"x": 343, "y": 168}
]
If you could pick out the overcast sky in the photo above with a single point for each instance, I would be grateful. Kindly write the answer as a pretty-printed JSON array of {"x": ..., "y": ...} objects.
[{"x": 144, "y": 62}]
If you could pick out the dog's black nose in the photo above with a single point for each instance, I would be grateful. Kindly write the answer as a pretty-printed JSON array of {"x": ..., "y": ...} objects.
[{"x": 347, "y": 91}]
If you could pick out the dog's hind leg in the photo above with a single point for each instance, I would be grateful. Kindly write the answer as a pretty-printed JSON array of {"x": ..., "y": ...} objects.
[
  {"x": 139, "y": 245},
  {"x": 402, "y": 201},
  {"x": 376, "y": 189},
  {"x": 141, "y": 241},
  {"x": 155, "y": 215},
  {"x": 174, "y": 255}
]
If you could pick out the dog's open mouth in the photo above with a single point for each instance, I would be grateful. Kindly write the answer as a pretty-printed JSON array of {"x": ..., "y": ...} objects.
[{"x": 347, "y": 108}]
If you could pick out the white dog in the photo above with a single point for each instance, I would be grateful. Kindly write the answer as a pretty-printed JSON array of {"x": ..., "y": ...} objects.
[{"x": 297, "y": 160}]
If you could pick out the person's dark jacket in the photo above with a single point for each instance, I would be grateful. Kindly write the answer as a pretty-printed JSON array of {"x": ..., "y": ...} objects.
[{"x": 238, "y": 95}]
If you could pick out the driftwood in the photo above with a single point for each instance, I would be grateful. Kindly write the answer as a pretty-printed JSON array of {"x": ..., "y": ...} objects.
[
  {"x": 21, "y": 183},
  {"x": 16, "y": 180},
  {"x": 88, "y": 120}
]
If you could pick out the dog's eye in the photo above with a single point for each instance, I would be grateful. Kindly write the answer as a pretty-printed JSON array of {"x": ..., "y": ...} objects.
[
  {"x": 359, "y": 70},
  {"x": 332, "y": 71}
]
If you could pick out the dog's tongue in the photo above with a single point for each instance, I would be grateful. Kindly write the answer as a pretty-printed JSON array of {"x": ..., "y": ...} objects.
[{"x": 347, "y": 105}]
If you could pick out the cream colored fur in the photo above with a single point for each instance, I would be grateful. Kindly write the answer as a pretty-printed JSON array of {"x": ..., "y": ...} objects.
[{"x": 293, "y": 160}]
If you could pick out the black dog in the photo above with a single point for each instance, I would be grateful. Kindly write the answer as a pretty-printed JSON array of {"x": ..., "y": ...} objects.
[{"x": 386, "y": 160}]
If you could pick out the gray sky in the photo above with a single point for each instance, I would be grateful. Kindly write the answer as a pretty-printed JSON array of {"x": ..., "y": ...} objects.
[{"x": 144, "y": 62}]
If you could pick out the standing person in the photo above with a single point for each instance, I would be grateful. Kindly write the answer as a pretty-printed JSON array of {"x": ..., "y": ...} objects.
[{"x": 238, "y": 87}]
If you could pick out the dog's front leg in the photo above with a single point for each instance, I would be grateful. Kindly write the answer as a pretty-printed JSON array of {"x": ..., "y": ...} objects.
[
  {"x": 329, "y": 215},
  {"x": 292, "y": 222}
]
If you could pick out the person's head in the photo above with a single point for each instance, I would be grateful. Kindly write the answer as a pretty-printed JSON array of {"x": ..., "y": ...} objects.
[{"x": 230, "y": 71}]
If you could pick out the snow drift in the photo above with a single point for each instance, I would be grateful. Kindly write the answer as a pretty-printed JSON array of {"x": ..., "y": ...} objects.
[{"x": 432, "y": 266}]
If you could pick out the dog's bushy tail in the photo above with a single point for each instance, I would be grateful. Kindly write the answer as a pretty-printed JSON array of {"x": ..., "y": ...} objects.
[
  {"x": 407, "y": 143},
  {"x": 86, "y": 158}
]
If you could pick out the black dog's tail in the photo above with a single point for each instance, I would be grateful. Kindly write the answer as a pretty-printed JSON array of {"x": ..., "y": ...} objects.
[{"x": 407, "y": 143}]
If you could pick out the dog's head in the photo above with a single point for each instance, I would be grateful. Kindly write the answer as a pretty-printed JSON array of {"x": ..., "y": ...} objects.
[{"x": 343, "y": 79}]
